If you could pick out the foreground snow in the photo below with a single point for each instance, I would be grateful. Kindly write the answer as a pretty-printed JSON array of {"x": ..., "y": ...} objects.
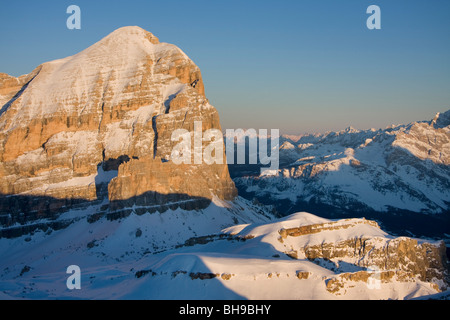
[{"x": 228, "y": 251}]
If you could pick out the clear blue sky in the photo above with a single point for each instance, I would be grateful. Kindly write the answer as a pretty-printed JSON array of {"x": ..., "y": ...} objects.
[{"x": 296, "y": 65}]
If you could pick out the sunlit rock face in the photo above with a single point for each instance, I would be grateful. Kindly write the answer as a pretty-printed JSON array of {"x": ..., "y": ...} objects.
[{"x": 74, "y": 125}]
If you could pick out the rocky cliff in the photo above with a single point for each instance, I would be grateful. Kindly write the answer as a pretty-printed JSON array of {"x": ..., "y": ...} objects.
[
  {"x": 356, "y": 251},
  {"x": 374, "y": 254},
  {"x": 9, "y": 87},
  {"x": 106, "y": 113}
]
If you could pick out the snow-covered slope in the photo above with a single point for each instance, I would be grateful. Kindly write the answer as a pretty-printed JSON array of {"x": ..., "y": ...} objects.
[
  {"x": 112, "y": 66},
  {"x": 185, "y": 255}
]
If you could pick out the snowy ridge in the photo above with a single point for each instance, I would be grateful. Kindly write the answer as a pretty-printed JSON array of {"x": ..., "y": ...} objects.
[
  {"x": 184, "y": 255},
  {"x": 65, "y": 84}
]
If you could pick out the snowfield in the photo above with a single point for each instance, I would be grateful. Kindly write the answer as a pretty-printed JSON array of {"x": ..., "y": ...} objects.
[{"x": 231, "y": 250}]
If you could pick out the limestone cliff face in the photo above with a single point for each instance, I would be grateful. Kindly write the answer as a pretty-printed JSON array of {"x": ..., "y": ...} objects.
[
  {"x": 361, "y": 244},
  {"x": 69, "y": 125}
]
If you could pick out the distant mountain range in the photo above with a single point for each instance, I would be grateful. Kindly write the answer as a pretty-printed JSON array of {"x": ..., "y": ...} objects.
[{"x": 399, "y": 175}]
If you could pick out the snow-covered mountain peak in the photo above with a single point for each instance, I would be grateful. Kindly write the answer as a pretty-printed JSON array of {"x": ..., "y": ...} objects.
[
  {"x": 111, "y": 72},
  {"x": 116, "y": 101},
  {"x": 126, "y": 40},
  {"x": 287, "y": 146},
  {"x": 350, "y": 129},
  {"x": 129, "y": 32}
]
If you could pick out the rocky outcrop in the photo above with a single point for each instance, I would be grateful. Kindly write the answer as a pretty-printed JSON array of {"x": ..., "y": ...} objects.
[
  {"x": 372, "y": 279},
  {"x": 10, "y": 86},
  {"x": 405, "y": 258},
  {"x": 426, "y": 261},
  {"x": 73, "y": 124},
  {"x": 317, "y": 228},
  {"x": 159, "y": 174}
]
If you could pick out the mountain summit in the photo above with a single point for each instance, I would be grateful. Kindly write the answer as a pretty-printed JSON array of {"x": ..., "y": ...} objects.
[{"x": 103, "y": 119}]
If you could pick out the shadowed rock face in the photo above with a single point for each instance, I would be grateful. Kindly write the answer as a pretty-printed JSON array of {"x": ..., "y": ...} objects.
[{"x": 123, "y": 96}]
